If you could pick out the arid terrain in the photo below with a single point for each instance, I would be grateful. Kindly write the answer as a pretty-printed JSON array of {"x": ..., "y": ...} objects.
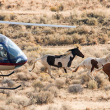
[{"x": 70, "y": 91}]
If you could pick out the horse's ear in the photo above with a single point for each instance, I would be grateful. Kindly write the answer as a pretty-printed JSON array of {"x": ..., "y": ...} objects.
[{"x": 78, "y": 46}]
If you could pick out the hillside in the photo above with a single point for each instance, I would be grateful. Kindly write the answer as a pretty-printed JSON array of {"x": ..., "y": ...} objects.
[
  {"x": 70, "y": 91},
  {"x": 91, "y": 18}
]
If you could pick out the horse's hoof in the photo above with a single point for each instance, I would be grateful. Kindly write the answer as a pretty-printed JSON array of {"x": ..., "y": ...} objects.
[{"x": 29, "y": 70}]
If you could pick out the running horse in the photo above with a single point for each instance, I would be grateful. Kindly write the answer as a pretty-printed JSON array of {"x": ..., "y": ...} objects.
[
  {"x": 91, "y": 64},
  {"x": 61, "y": 61}
]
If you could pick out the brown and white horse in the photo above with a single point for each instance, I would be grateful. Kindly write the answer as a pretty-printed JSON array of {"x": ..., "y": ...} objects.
[
  {"x": 63, "y": 61},
  {"x": 90, "y": 64}
]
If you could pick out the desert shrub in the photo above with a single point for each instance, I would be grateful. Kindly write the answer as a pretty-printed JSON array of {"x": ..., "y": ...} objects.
[
  {"x": 22, "y": 76},
  {"x": 48, "y": 30},
  {"x": 82, "y": 21},
  {"x": 92, "y": 21},
  {"x": 2, "y": 17},
  {"x": 72, "y": 31},
  {"x": 51, "y": 107},
  {"x": 33, "y": 76},
  {"x": 85, "y": 78},
  {"x": 38, "y": 84},
  {"x": 93, "y": 41},
  {"x": 65, "y": 106},
  {"x": 94, "y": 14},
  {"x": 2, "y": 26},
  {"x": 2, "y": 96},
  {"x": 43, "y": 97},
  {"x": 61, "y": 7},
  {"x": 43, "y": 20},
  {"x": 54, "y": 91},
  {"x": 87, "y": 21},
  {"x": 76, "y": 38},
  {"x": 48, "y": 86},
  {"x": 54, "y": 8},
  {"x": 75, "y": 81},
  {"x": 103, "y": 98},
  {"x": 57, "y": 8},
  {"x": 13, "y": 17},
  {"x": 82, "y": 39},
  {"x": 83, "y": 29},
  {"x": 103, "y": 38},
  {"x": 57, "y": 16},
  {"x": 35, "y": 48},
  {"x": 79, "y": 39},
  {"x": 100, "y": 81},
  {"x": 108, "y": 33},
  {"x": 75, "y": 88},
  {"x": 59, "y": 83},
  {"x": 107, "y": 87},
  {"x": 18, "y": 99},
  {"x": 9, "y": 82},
  {"x": 30, "y": 61},
  {"x": 26, "y": 76},
  {"x": 7, "y": 107},
  {"x": 92, "y": 84}
]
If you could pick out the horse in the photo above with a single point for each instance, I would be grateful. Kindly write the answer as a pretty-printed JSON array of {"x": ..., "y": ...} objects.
[
  {"x": 106, "y": 69},
  {"x": 92, "y": 63},
  {"x": 61, "y": 61}
]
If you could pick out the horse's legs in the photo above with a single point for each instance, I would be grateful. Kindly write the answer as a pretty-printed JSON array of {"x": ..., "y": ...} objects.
[
  {"x": 106, "y": 75},
  {"x": 82, "y": 71},
  {"x": 45, "y": 70},
  {"x": 69, "y": 68},
  {"x": 90, "y": 75},
  {"x": 49, "y": 72},
  {"x": 65, "y": 70}
]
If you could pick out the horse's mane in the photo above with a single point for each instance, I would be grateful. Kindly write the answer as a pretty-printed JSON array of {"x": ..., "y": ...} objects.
[{"x": 66, "y": 54}]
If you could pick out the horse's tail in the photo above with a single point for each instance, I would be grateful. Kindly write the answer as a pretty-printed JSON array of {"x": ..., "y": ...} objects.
[
  {"x": 34, "y": 63},
  {"x": 79, "y": 66},
  {"x": 76, "y": 69}
]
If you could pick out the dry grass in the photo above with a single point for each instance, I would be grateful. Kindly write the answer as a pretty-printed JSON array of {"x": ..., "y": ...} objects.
[
  {"x": 54, "y": 91},
  {"x": 92, "y": 84},
  {"x": 100, "y": 81},
  {"x": 38, "y": 84},
  {"x": 107, "y": 88},
  {"x": 9, "y": 82},
  {"x": 65, "y": 106},
  {"x": 89, "y": 22},
  {"x": 75, "y": 88},
  {"x": 43, "y": 97},
  {"x": 39, "y": 91},
  {"x": 18, "y": 99},
  {"x": 59, "y": 83},
  {"x": 85, "y": 79},
  {"x": 2, "y": 96}
]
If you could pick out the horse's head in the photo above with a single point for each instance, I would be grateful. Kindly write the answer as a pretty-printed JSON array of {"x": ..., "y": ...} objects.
[{"x": 77, "y": 52}]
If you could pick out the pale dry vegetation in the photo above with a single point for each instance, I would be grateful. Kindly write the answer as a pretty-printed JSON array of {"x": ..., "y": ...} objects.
[
  {"x": 70, "y": 91},
  {"x": 90, "y": 17},
  {"x": 40, "y": 91}
]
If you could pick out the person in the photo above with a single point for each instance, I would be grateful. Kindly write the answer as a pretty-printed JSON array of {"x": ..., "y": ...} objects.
[{"x": 3, "y": 54}]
